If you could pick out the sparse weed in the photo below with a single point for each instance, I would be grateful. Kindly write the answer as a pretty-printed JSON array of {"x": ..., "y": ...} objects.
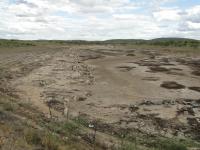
[
  {"x": 81, "y": 121},
  {"x": 128, "y": 146},
  {"x": 168, "y": 145},
  {"x": 32, "y": 136},
  {"x": 49, "y": 142},
  {"x": 8, "y": 107}
]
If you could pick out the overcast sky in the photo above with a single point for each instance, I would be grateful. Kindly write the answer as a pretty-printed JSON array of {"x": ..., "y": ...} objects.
[{"x": 99, "y": 19}]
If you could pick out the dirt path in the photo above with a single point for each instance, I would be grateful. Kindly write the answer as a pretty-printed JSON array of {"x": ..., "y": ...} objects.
[
  {"x": 47, "y": 79},
  {"x": 130, "y": 84},
  {"x": 110, "y": 88}
]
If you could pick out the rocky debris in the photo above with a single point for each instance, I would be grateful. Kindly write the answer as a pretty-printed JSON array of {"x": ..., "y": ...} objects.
[
  {"x": 79, "y": 98},
  {"x": 168, "y": 102},
  {"x": 176, "y": 69},
  {"x": 158, "y": 102},
  {"x": 181, "y": 60},
  {"x": 195, "y": 105},
  {"x": 42, "y": 83},
  {"x": 152, "y": 56},
  {"x": 151, "y": 78},
  {"x": 161, "y": 122},
  {"x": 150, "y": 52},
  {"x": 6, "y": 89},
  {"x": 147, "y": 63},
  {"x": 188, "y": 107},
  {"x": 164, "y": 59},
  {"x": 130, "y": 54},
  {"x": 75, "y": 75},
  {"x": 82, "y": 73},
  {"x": 126, "y": 68},
  {"x": 186, "y": 110},
  {"x": 189, "y": 102},
  {"x": 110, "y": 52},
  {"x": 91, "y": 104},
  {"x": 57, "y": 105},
  {"x": 66, "y": 109},
  {"x": 158, "y": 69},
  {"x": 88, "y": 93},
  {"x": 166, "y": 62},
  {"x": 195, "y": 88},
  {"x": 133, "y": 108},
  {"x": 189, "y": 61},
  {"x": 194, "y": 63},
  {"x": 120, "y": 106},
  {"x": 194, "y": 121},
  {"x": 155, "y": 64},
  {"x": 196, "y": 73},
  {"x": 147, "y": 102},
  {"x": 85, "y": 57},
  {"x": 172, "y": 85}
]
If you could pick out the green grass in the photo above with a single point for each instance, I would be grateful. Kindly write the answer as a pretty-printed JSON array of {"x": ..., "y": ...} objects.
[
  {"x": 52, "y": 135},
  {"x": 7, "y": 104},
  {"x": 166, "y": 42},
  {"x": 166, "y": 45},
  {"x": 171, "y": 146},
  {"x": 50, "y": 142},
  {"x": 128, "y": 146},
  {"x": 45, "y": 139},
  {"x": 64, "y": 128},
  {"x": 32, "y": 136},
  {"x": 15, "y": 43}
]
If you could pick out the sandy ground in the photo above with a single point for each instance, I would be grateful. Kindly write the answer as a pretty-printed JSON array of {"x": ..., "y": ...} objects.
[{"x": 120, "y": 87}]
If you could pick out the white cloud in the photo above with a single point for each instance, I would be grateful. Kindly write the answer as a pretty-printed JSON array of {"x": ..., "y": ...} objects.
[
  {"x": 193, "y": 14},
  {"x": 195, "y": 26},
  {"x": 96, "y": 19},
  {"x": 166, "y": 14}
]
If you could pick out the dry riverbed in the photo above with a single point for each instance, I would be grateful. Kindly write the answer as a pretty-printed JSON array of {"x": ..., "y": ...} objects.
[{"x": 122, "y": 90}]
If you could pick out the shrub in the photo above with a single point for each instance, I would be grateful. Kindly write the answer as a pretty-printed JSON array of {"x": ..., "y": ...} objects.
[
  {"x": 32, "y": 137},
  {"x": 49, "y": 142},
  {"x": 8, "y": 106},
  {"x": 128, "y": 146},
  {"x": 168, "y": 145},
  {"x": 71, "y": 128}
]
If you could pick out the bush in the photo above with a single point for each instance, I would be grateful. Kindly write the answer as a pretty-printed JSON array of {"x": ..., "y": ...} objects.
[
  {"x": 32, "y": 137},
  {"x": 127, "y": 146},
  {"x": 168, "y": 145},
  {"x": 9, "y": 106},
  {"x": 49, "y": 142},
  {"x": 70, "y": 128}
]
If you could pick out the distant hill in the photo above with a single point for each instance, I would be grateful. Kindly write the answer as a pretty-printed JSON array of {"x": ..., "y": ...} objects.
[
  {"x": 173, "y": 38},
  {"x": 124, "y": 40},
  {"x": 175, "y": 42}
]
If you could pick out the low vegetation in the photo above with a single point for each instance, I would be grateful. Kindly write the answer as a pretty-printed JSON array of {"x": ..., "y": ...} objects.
[
  {"x": 15, "y": 43},
  {"x": 166, "y": 42},
  {"x": 23, "y": 127}
]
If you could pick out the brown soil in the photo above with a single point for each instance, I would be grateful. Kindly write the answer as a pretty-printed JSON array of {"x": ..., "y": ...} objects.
[
  {"x": 196, "y": 73},
  {"x": 195, "y": 88},
  {"x": 158, "y": 69},
  {"x": 172, "y": 85},
  {"x": 104, "y": 83}
]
